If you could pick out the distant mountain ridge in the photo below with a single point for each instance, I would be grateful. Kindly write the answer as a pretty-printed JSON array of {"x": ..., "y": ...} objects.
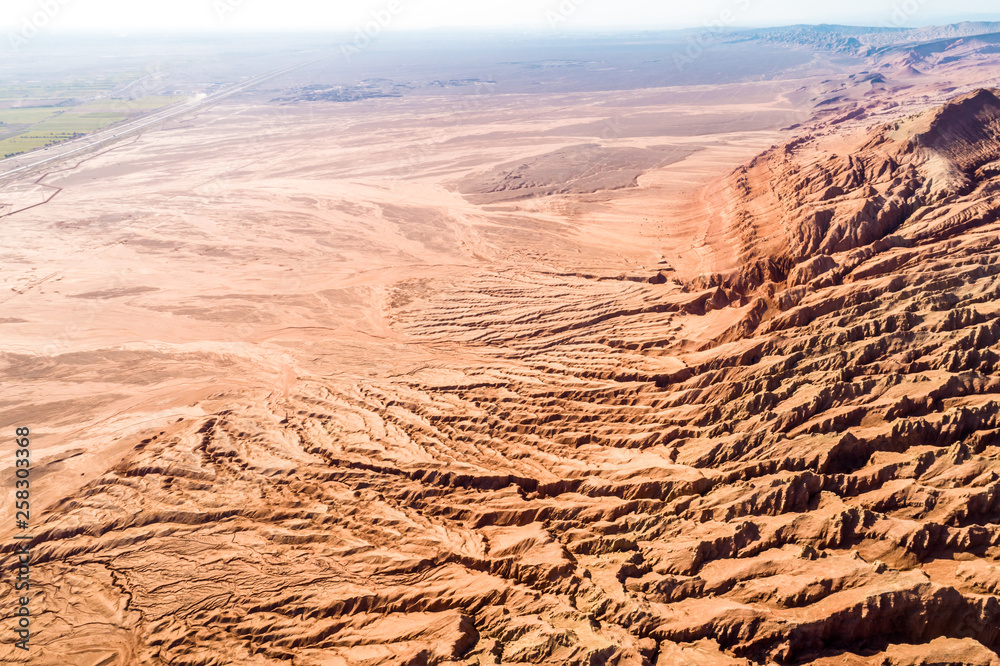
[{"x": 862, "y": 40}]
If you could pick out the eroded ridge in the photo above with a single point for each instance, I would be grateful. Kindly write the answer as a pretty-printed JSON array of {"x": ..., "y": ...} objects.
[{"x": 796, "y": 462}]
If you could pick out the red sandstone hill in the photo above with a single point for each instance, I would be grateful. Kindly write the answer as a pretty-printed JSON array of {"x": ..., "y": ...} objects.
[
  {"x": 796, "y": 207},
  {"x": 797, "y": 462}
]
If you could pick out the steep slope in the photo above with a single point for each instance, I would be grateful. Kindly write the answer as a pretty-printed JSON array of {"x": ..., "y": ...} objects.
[{"x": 795, "y": 207}]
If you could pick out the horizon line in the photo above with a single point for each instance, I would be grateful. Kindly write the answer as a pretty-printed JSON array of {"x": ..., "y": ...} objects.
[{"x": 508, "y": 29}]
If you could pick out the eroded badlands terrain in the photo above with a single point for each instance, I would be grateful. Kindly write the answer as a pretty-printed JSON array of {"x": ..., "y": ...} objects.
[{"x": 409, "y": 384}]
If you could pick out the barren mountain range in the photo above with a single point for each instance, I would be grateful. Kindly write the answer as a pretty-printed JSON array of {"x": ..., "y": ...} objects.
[{"x": 535, "y": 397}]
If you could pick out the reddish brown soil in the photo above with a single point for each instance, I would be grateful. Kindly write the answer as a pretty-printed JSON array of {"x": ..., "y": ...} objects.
[{"x": 297, "y": 401}]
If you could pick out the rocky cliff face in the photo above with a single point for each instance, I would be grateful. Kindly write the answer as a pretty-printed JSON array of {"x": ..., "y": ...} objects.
[
  {"x": 797, "y": 206},
  {"x": 798, "y": 462},
  {"x": 868, "y": 345}
]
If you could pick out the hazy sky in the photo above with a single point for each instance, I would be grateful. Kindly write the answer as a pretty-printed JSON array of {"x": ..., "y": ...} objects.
[{"x": 562, "y": 15}]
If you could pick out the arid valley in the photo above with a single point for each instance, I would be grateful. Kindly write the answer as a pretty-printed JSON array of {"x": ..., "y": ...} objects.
[{"x": 645, "y": 351}]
